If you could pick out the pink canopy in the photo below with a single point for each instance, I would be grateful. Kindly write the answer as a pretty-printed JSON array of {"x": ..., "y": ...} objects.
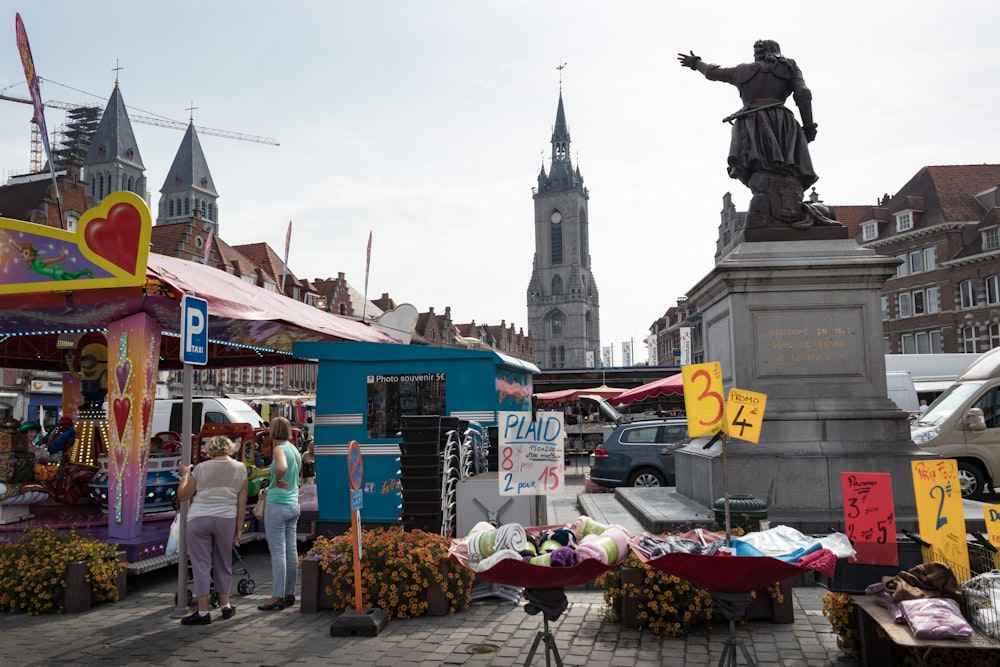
[
  {"x": 668, "y": 387},
  {"x": 573, "y": 394}
]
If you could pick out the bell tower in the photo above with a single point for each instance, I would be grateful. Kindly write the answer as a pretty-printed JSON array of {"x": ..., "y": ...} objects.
[{"x": 563, "y": 303}]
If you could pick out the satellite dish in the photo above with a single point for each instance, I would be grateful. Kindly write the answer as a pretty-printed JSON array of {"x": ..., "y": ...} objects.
[{"x": 398, "y": 322}]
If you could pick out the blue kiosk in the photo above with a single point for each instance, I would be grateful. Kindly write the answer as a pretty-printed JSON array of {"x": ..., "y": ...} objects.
[{"x": 365, "y": 389}]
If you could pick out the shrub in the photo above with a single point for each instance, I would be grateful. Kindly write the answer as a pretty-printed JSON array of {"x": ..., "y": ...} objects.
[
  {"x": 397, "y": 568},
  {"x": 33, "y": 570}
]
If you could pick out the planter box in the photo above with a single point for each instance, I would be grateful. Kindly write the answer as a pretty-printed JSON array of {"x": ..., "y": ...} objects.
[
  {"x": 77, "y": 596},
  {"x": 763, "y": 607},
  {"x": 315, "y": 598}
]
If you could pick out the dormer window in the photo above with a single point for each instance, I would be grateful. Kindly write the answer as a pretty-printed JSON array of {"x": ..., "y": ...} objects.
[
  {"x": 904, "y": 221},
  {"x": 869, "y": 231},
  {"x": 991, "y": 238}
]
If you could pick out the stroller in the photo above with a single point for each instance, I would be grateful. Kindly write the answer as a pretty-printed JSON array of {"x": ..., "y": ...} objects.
[{"x": 245, "y": 586}]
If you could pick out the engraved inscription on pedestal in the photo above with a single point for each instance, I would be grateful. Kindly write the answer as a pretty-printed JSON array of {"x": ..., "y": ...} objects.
[{"x": 806, "y": 342}]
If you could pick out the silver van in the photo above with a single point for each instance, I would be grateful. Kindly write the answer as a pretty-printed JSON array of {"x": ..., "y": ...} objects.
[{"x": 963, "y": 424}]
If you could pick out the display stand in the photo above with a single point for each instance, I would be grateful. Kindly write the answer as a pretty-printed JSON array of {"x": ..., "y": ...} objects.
[
  {"x": 544, "y": 589},
  {"x": 551, "y": 604}
]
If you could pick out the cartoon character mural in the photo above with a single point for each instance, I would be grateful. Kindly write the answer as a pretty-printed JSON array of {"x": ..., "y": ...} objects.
[{"x": 50, "y": 266}]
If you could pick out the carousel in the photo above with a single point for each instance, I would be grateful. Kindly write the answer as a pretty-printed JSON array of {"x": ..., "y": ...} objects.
[{"x": 95, "y": 304}]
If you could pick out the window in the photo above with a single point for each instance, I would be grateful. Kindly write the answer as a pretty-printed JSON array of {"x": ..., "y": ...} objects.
[
  {"x": 930, "y": 259},
  {"x": 969, "y": 340},
  {"x": 558, "y": 320},
  {"x": 919, "y": 302},
  {"x": 557, "y": 285},
  {"x": 904, "y": 221},
  {"x": 994, "y": 333},
  {"x": 916, "y": 261},
  {"x": 170, "y": 214},
  {"x": 555, "y": 236},
  {"x": 967, "y": 293},
  {"x": 885, "y": 308},
  {"x": 903, "y": 269},
  {"x": 269, "y": 286},
  {"x": 869, "y": 231},
  {"x": 248, "y": 279},
  {"x": 992, "y": 289},
  {"x": 991, "y": 238},
  {"x": 187, "y": 207},
  {"x": 905, "y": 306}
]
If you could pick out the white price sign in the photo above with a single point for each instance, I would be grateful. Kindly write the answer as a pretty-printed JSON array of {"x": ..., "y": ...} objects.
[{"x": 531, "y": 453}]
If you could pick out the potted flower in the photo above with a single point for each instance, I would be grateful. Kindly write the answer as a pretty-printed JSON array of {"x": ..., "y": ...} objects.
[
  {"x": 404, "y": 573},
  {"x": 638, "y": 594},
  {"x": 40, "y": 573},
  {"x": 838, "y": 608}
]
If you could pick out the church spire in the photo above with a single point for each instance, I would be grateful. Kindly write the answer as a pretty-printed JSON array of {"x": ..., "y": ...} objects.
[
  {"x": 189, "y": 185},
  {"x": 113, "y": 162}
]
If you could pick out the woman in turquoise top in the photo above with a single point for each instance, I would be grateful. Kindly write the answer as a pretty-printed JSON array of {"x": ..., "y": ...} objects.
[{"x": 281, "y": 515}]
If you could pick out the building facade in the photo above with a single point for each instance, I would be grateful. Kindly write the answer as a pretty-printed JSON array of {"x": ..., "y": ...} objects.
[{"x": 563, "y": 303}]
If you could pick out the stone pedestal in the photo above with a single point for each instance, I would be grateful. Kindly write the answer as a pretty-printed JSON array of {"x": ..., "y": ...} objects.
[{"x": 800, "y": 321}]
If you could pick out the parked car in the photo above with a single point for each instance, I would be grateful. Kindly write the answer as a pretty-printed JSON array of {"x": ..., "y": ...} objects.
[{"x": 639, "y": 454}]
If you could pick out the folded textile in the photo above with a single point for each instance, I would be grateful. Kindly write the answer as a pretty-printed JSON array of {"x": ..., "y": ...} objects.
[
  {"x": 563, "y": 536},
  {"x": 935, "y": 618},
  {"x": 884, "y": 599},
  {"x": 564, "y": 557},
  {"x": 487, "y": 563},
  {"x": 926, "y": 580},
  {"x": 484, "y": 540},
  {"x": 584, "y": 526},
  {"x": 658, "y": 546},
  {"x": 821, "y": 560},
  {"x": 610, "y": 547}
]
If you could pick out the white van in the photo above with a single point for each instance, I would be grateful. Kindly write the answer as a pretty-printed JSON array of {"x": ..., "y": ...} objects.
[
  {"x": 168, "y": 414},
  {"x": 963, "y": 424},
  {"x": 902, "y": 391}
]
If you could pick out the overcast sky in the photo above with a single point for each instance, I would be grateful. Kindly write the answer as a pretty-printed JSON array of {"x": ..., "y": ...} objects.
[{"x": 427, "y": 123}]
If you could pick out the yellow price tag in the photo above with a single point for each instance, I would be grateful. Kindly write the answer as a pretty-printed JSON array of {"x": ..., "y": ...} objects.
[
  {"x": 703, "y": 399},
  {"x": 992, "y": 513},
  {"x": 940, "y": 515},
  {"x": 745, "y": 414}
]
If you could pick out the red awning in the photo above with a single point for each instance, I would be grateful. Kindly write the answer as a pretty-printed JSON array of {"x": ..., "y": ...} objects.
[
  {"x": 573, "y": 394},
  {"x": 668, "y": 387}
]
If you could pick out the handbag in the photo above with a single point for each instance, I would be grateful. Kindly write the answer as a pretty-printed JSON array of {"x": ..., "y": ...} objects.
[{"x": 258, "y": 509}]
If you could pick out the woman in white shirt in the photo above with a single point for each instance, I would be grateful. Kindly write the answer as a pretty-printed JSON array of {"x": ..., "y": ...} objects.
[{"x": 214, "y": 522}]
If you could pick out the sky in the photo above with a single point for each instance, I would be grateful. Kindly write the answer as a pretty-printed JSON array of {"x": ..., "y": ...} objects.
[{"x": 426, "y": 124}]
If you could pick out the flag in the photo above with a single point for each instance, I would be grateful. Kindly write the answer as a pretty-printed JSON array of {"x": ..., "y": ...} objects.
[
  {"x": 606, "y": 356},
  {"x": 590, "y": 359},
  {"x": 368, "y": 260},
  {"x": 368, "y": 263},
  {"x": 208, "y": 246},
  {"x": 32, "y": 79},
  {"x": 627, "y": 354},
  {"x": 284, "y": 267},
  {"x": 651, "y": 354}
]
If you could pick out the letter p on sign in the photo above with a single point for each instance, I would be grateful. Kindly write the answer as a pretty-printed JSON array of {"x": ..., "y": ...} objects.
[{"x": 194, "y": 330}]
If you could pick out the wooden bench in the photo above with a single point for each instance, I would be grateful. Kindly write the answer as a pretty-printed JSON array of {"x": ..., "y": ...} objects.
[{"x": 877, "y": 651}]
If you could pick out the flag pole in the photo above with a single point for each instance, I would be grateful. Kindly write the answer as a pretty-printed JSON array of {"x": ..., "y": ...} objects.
[{"x": 368, "y": 263}]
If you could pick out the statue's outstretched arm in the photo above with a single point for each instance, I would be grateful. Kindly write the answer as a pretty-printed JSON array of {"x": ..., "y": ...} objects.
[{"x": 693, "y": 61}]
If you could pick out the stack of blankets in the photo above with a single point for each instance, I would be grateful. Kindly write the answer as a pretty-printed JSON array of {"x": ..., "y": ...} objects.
[{"x": 563, "y": 546}]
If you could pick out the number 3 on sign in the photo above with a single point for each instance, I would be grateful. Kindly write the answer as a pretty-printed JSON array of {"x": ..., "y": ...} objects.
[{"x": 703, "y": 399}]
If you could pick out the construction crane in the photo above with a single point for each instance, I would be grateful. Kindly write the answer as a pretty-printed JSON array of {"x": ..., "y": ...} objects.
[{"x": 36, "y": 140}]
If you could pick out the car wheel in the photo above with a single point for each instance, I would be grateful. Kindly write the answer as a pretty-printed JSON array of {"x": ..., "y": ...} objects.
[
  {"x": 972, "y": 480},
  {"x": 646, "y": 477}
]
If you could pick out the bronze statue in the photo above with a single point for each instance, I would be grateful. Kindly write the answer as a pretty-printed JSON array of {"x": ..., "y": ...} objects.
[{"x": 769, "y": 152}]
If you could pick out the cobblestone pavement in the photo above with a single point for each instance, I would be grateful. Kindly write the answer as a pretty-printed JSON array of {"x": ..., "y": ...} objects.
[{"x": 143, "y": 630}]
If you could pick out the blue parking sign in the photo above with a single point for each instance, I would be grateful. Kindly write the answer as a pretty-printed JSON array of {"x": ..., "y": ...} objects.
[{"x": 194, "y": 330}]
